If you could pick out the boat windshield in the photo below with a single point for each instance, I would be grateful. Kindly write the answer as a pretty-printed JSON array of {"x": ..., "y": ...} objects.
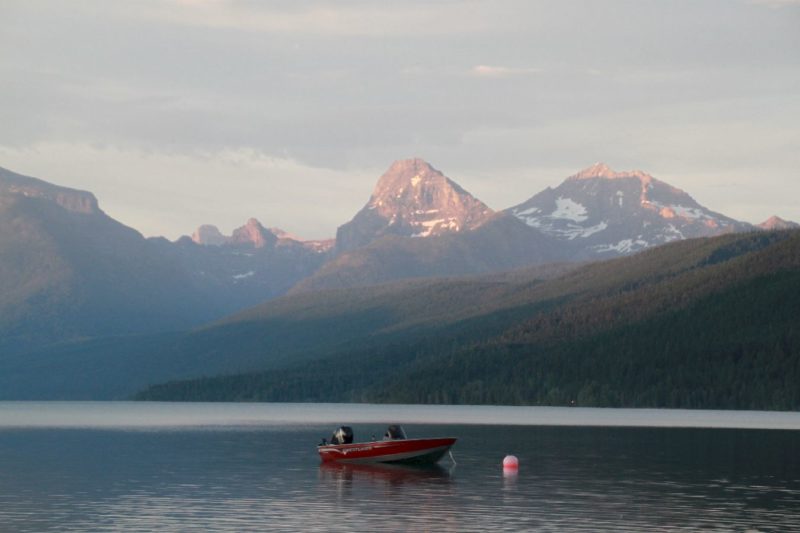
[
  {"x": 394, "y": 432},
  {"x": 342, "y": 435}
]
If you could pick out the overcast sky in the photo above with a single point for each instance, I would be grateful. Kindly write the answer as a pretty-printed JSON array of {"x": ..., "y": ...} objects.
[{"x": 177, "y": 113}]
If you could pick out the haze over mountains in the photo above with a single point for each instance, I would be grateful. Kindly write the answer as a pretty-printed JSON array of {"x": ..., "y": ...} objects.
[
  {"x": 67, "y": 270},
  {"x": 71, "y": 275}
]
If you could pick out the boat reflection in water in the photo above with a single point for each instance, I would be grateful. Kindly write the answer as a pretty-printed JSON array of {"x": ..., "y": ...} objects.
[
  {"x": 378, "y": 478},
  {"x": 394, "y": 474},
  {"x": 414, "y": 494}
]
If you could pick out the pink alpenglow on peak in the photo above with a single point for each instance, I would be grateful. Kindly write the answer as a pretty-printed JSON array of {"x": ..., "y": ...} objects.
[
  {"x": 601, "y": 170},
  {"x": 599, "y": 211},
  {"x": 413, "y": 199},
  {"x": 776, "y": 223},
  {"x": 253, "y": 233}
]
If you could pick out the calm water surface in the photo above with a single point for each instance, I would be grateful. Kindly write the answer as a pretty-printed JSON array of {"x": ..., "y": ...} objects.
[{"x": 203, "y": 467}]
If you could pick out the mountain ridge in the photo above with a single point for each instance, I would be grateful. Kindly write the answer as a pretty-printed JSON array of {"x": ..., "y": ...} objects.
[
  {"x": 513, "y": 346},
  {"x": 73, "y": 200},
  {"x": 59, "y": 250}
]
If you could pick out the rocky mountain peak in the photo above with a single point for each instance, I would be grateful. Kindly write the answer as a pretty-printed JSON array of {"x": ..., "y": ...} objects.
[
  {"x": 413, "y": 199},
  {"x": 72, "y": 200},
  {"x": 252, "y": 233},
  {"x": 603, "y": 211},
  {"x": 405, "y": 176},
  {"x": 209, "y": 235},
  {"x": 601, "y": 170},
  {"x": 776, "y": 222}
]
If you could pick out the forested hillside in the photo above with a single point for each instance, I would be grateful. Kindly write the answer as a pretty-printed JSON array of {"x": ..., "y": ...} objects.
[{"x": 702, "y": 323}]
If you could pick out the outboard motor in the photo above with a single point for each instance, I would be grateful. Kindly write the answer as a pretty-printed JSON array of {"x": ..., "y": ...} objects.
[
  {"x": 342, "y": 435},
  {"x": 394, "y": 432}
]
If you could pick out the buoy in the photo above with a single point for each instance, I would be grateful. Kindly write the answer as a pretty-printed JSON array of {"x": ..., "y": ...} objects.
[{"x": 510, "y": 462}]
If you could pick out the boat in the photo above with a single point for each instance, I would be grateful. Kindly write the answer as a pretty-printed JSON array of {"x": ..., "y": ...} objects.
[{"x": 395, "y": 448}]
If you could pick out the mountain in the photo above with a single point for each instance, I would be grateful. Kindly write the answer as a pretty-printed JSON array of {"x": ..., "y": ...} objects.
[
  {"x": 700, "y": 323},
  {"x": 251, "y": 265},
  {"x": 594, "y": 214},
  {"x": 67, "y": 270},
  {"x": 775, "y": 222},
  {"x": 705, "y": 322},
  {"x": 257, "y": 236},
  {"x": 500, "y": 244},
  {"x": 412, "y": 199},
  {"x": 419, "y": 223},
  {"x": 602, "y": 213}
]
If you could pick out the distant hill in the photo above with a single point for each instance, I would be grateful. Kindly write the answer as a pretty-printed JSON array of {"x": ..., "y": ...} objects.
[
  {"x": 283, "y": 331},
  {"x": 709, "y": 323},
  {"x": 775, "y": 222},
  {"x": 67, "y": 270}
]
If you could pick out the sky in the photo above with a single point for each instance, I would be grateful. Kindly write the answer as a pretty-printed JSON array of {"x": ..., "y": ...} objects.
[{"x": 178, "y": 113}]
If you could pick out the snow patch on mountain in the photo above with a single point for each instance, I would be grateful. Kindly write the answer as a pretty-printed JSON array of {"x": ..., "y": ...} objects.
[
  {"x": 568, "y": 209},
  {"x": 440, "y": 224},
  {"x": 588, "y": 232},
  {"x": 625, "y": 246},
  {"x": 522, "y": 214},
  {"x": 563, "y": 222}
]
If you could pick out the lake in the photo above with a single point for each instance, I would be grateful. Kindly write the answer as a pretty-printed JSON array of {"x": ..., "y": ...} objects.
[{"x": 122, "y": 466}]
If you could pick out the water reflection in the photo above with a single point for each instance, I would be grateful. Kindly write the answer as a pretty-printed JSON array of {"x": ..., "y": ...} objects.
[
  {"x": 571, "y": 479},
  {"x": 383, "y": 474}
]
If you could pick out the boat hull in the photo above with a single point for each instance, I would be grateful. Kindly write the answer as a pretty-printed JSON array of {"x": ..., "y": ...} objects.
[{"x": 406, "y": 451}]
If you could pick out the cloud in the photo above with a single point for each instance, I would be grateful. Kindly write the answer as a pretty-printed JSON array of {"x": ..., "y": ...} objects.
[
  {"x": 776, "y": 4},
  {"x": 171, "y": 194},
  {"x": 494, "y": 71},
  {"x": 341, "y": 88},
  {"x": 350, "y": 18}
]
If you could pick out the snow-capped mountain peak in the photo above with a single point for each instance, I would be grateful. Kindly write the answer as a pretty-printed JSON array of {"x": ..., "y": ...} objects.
[{"x": 604, "y": 211}]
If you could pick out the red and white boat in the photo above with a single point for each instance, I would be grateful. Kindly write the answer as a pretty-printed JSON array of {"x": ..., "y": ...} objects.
[{"x": 394, "y": 448}]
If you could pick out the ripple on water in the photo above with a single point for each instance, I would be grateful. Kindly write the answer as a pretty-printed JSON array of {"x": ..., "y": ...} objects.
[{"x": 570, "y": 479}]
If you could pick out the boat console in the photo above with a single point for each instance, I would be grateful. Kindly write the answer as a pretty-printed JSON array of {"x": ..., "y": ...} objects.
[{"x": 342, "y": 435}]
